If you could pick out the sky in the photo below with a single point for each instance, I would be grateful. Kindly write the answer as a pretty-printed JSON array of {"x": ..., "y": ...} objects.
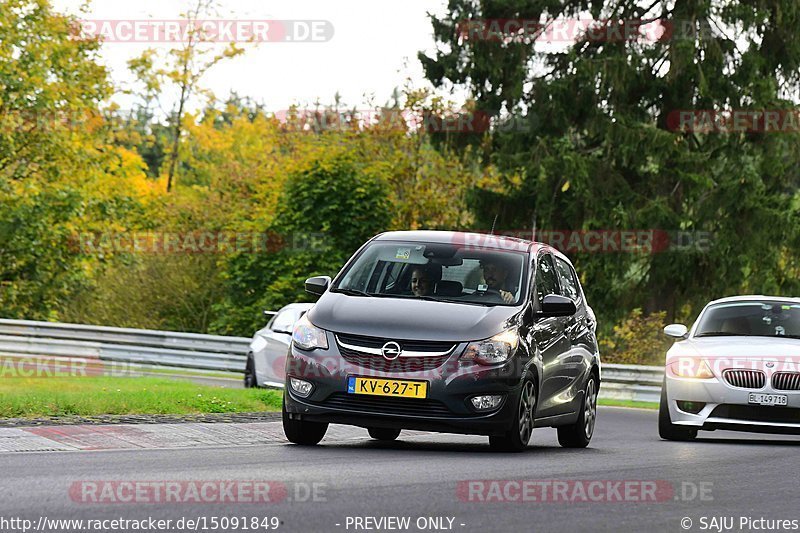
[{"x": 372, "y": 51}]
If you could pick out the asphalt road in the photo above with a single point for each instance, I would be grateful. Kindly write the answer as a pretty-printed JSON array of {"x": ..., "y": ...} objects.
[{"x": 720, "y": 475}]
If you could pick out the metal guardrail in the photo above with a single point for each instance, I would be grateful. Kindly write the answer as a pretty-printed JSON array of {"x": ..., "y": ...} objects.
[
  {"x": 123, "y": 345},
  {"x": 24, "y": 338},
  {"x": 631, "y": 382}
]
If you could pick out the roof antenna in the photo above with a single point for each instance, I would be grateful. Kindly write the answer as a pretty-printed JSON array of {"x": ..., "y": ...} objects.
[{"x": 493, "y": 223}]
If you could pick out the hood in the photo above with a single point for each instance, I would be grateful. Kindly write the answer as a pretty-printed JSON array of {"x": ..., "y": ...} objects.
[
  {"x": 751, "y": 348},
  {"x": 410, "y": 319}
]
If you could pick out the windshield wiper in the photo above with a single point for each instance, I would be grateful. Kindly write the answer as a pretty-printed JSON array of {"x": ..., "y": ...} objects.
[
  {"x": 449, "y": 300},
  {"x": 721, "y": 334},
  {"x": 353, "y": 292}
]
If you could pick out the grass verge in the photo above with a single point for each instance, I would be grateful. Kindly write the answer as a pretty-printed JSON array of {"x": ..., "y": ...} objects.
[
  {"x": 627, "y": 403},
  {"x": 90, "y": 396}
]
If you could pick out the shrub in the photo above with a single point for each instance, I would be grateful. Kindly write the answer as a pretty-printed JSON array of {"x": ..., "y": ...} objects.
[{"x": 637, "y": 340}]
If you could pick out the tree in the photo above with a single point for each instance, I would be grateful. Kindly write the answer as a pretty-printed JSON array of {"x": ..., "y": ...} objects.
[
  {"x": 50, "y": 88},
  {"x": 59, "y": 175},
  {"x": 326, "y": 211},
  {"x": 186, "y": 66},
  {"x": 600, "y": 151}
]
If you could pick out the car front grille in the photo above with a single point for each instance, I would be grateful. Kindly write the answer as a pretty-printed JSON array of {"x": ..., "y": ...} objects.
[
  {"x": 786, "y": 381},
  {"x": 365, "y": 352},
  {"x": 745, "y": 379},
  {"x": 388, "y": 406}
]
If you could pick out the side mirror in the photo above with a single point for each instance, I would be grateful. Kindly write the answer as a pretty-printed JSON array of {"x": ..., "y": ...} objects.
[
  {"x": 557, "y": 305},
  {"x": 318, "y": 285},
  {"x": 678, "y": 331}
]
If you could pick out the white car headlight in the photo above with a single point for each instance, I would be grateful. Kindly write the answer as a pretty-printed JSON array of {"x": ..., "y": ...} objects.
[
  {"x": 307, "y": 336},
  {"x": 492, "y": 351},
  {"x": 258, "y": 344}
]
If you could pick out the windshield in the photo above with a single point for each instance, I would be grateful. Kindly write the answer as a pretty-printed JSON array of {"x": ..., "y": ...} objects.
[
  {"x": 757, "y": 318},
  {"x": 442, "y": 272}
]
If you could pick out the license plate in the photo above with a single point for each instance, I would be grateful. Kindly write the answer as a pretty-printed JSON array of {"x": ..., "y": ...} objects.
[
  {"x": 387, "y": 387},
  {"x": 759, "y": 398}
]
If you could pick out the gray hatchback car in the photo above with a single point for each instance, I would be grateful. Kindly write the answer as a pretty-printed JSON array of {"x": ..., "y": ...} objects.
[{"x": 446, "y": 331}]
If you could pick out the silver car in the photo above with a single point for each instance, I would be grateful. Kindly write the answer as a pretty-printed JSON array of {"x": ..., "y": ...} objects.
[
  {"x": 266, "y": 362},
  {"x": 738, "y": 368}
]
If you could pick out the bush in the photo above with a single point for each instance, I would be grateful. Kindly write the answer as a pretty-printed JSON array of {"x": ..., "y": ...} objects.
[{"x": 637, "y": 340}]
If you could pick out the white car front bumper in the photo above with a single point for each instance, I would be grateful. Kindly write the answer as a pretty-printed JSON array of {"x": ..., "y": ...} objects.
[{"x": 728, "y": 407}]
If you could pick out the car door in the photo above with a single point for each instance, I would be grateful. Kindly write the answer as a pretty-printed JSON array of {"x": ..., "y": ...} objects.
[
  {"x": 578, "y": 328},
  {"x": 549, "y": 334}
]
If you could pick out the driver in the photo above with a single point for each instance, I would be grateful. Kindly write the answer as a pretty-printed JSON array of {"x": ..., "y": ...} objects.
[{"x": 496, "y": 274}]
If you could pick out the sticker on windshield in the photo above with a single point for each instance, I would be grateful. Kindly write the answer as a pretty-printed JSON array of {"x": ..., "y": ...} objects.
[{"x": 403, "y": 253}]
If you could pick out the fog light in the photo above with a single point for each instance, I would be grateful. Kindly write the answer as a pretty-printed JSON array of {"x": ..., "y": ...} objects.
[
  {"x": 302, "y": 388},
  {"x": 486, "y": 403},
  {"x": 690, "y": 407}
]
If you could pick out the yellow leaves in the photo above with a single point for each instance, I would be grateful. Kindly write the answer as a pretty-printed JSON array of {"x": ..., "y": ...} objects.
[{"x": 565, "y": 187}]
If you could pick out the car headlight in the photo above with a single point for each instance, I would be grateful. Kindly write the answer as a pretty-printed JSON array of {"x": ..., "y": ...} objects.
[
  {"x": 307, "y": 336},
  {"x": 492, "y": 351},
  {"x": 258, "y": 344},
  {"x": 690, "y": 367}
]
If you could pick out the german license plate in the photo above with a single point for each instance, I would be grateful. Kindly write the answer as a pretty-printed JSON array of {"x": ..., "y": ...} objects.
[
  {"x": 759, "y": 398},
  {"x": 387, "y": 387}
]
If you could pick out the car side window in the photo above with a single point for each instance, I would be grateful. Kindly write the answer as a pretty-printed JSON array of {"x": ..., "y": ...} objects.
[
  {"x": 568, "y": 282},
  {"x": 284, "y": 322},
  {"x": 546, "y": 278}
]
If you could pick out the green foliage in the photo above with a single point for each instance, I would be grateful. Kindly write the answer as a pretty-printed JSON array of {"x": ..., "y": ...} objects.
[
  {"x": 596, "y": 151},
  {"x": 50, "y": 85},
  {"x": 326, "y": 211},
  {"x": 174, "y": 292},
  {"x": 637, "y": 340}
]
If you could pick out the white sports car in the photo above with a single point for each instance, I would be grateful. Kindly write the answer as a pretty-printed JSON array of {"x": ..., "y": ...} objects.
[
  {"x": 266, "y": 361},
  {"x": 737, "y": 369}
]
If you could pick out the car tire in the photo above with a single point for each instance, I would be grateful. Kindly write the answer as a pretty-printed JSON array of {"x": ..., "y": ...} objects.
[
  {"x": 303, "y": 432},
  {"x": 386, "y": 434},
  {"x": 579, "y": 434},
  {"x": 250, "y": 381},
  {"x": 516, "y": 439},
  {"x": 666, "y": 429}
]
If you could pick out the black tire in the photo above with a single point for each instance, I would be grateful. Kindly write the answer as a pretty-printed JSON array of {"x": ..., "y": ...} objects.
[
  {"x": 666, "y": 429},
  {"x": 384, "y": 433},
  {"x": 250, "y": 381},
  {"x": 302, "y": 432},
  {"x": 579, "y": 434},
  {"x": 517, "y": 437}
]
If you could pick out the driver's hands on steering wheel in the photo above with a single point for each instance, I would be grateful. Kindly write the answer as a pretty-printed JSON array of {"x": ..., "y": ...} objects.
[{"x": 507, "y": 296}]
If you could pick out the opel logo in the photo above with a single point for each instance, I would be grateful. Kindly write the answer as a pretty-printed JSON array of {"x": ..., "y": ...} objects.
[{"x": 390, "y": 351}]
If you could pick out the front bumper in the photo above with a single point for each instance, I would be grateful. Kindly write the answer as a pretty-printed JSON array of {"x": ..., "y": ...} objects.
[
  {"x": 446, "y": 408},
  {"x": 728, "y": 408}
]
